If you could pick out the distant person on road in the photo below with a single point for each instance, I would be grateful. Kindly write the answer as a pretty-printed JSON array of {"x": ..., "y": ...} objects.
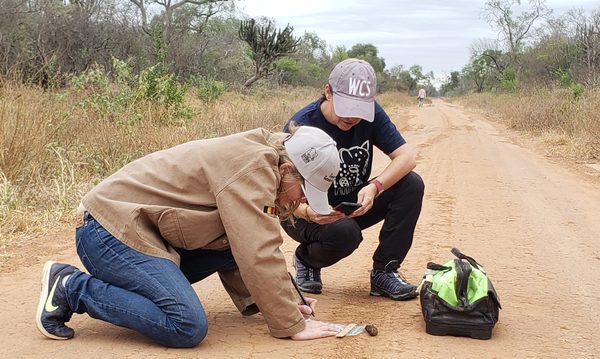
[
  {"x": 174, "y": 217},
  {"x": 348, "y": 112},
  {"x": 421, "y": 96}
]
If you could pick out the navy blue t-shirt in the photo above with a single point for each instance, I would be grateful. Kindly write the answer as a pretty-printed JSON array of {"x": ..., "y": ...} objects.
[{"x": 355, "y": 147}]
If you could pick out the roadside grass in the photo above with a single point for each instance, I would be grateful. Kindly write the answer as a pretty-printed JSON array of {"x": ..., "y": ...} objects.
[
  {"x": 393, "y": 98},
  {"x": 56, "y": 145},
  {"x": 567, "y": 126},
  {"x": 53, "y": 148}
]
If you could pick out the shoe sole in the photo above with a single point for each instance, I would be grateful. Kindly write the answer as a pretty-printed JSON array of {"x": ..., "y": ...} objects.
[
  {"x": 310, "y": 290},
  {"x": 406, "y": 296},
  {"x": 42, "y": 302}
]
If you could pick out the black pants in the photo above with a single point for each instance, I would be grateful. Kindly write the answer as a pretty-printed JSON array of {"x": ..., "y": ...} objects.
[
  {"x": 198, "y": 264},
  {"x": 399, "y": 207}
]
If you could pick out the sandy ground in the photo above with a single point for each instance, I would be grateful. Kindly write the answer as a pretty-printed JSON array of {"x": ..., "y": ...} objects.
[{"x": 531, "y": 220}]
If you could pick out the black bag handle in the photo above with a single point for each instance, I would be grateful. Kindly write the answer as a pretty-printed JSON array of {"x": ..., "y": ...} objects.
[
  {"x": 435, "y": 266},
  {"x": 472, "y": 261},
  {"x": 463, "y": 270}
]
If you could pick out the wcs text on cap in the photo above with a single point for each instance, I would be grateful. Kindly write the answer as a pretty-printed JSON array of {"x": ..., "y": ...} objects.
[{"x": 354, "y": 84}]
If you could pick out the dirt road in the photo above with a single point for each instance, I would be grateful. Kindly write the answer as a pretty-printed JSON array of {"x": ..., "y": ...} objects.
[{"x": 532, "y": 221}]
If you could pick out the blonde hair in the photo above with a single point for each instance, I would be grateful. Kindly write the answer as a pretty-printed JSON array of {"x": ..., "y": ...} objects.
[{"x": 286, "y": 212}]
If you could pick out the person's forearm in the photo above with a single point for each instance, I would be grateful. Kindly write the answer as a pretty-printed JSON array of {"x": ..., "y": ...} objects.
[{"x": 399, "y": 167}]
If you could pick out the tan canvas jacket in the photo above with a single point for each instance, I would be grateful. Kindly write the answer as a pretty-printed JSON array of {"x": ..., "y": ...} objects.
[{"x": 208, "y": 194}]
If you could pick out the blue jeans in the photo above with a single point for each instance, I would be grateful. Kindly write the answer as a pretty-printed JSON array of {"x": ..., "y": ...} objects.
[{"x": 150, "y": 295}]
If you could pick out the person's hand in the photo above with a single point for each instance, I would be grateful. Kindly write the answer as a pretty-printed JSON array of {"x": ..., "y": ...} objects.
[
  {"x": 366, "y": 197},
  {"x": 315, "y": 329},
  {"x": 324, "y": 218},
  {"x": 309, "y": 309}
]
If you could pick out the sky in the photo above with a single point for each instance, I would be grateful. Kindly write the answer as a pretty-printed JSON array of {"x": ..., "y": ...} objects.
[{"x": 436, "y": 34}]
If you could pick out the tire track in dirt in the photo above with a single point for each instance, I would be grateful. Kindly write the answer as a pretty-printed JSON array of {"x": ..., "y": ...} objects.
[{"x": 518, "y": 215}]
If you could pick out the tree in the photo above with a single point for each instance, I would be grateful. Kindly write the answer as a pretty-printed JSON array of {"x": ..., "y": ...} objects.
[
  {"x": 407, "y": 80},
  {"x": 196, "y": 12},
  {"x": 396, "y": 70},
  {"x": 514, "y": 29},
  {"x": 369, "y": 53},
  {"x": 309, "y": 65},
  {"x": 417, "y": 72},
  {"x": 587, "y": 39},
  {"x": 313, "y": 48},
  {"x": 267, "y": 44},
  {"x": 339, "y": 54},
  {"x": 477, "y": 72},
  {"x": 454, "y": 80},
  {"x": 490, "y": 49},
  {"x": 450, "y": 84},
  {"x": 86, "y": 8}
]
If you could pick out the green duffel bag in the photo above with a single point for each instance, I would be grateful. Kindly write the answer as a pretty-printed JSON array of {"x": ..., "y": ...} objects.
[{"x": 458, "y": 298}]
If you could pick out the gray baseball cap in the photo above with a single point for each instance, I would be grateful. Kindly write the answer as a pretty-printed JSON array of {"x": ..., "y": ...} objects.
[{"x": 354, "y": 84}]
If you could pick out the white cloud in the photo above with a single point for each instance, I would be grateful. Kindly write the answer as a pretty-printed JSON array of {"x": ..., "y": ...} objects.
[{"x": 435, "y": 34}]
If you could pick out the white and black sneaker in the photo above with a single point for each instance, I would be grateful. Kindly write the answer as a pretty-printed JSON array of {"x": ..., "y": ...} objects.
[{"x": 53, "y": 311}]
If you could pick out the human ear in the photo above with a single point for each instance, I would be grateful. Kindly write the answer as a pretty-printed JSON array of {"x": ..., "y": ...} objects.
[{"x": 327, "y": 92}]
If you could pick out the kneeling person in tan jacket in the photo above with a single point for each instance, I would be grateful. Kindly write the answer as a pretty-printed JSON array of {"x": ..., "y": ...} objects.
[{"x": 176, "y": 216}]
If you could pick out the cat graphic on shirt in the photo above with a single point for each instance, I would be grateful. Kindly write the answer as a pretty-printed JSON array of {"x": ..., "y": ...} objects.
[{"x": 354, "y": 163}]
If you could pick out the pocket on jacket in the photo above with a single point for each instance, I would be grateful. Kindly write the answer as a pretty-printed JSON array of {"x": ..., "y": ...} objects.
[{"x": 170, "y": 228}]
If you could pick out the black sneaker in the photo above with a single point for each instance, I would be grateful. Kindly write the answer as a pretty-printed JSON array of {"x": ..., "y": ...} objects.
[
  {"x": 53, "y": 310},
  {"x": 389, "y": 283},
  {"x": 307, "y": 278}
]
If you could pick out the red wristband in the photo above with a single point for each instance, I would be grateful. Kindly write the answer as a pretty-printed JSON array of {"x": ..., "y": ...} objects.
[{"x": 377, "y": 184}]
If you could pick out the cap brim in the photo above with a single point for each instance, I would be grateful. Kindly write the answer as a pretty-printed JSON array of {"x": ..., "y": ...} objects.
[
  {"x": 316, "y": 199},
  {"x": 353, "y": 108}
]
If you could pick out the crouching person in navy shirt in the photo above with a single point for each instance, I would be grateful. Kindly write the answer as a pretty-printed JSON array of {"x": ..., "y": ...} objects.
[{"x": 348, "y": 112}]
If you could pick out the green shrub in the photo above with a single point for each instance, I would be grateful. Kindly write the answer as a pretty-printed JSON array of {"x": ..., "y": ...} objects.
[
  {"x": 207, "y": 88},
  {"x": 508, "y": 80},
  {"x": 161, "y": 87},
  {"x": 122, "y": 99},
  {"x": 566, "y": 80},
  {"x": 576, "y": 90}
]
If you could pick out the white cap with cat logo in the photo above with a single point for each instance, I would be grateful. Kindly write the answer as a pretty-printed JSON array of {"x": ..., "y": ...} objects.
[
  {"x": 354, "y": 84},
  {"x": 315, "y": 155}
]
